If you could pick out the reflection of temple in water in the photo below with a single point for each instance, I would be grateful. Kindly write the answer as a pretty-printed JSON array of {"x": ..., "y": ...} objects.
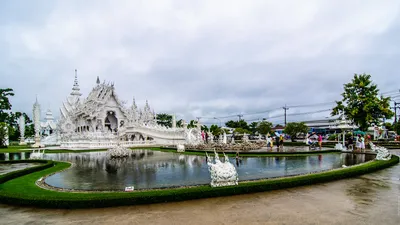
[{"x": 144, "y": 167}]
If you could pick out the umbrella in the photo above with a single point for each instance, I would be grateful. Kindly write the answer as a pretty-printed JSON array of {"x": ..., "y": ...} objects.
[{"x": 359, "y": 132}]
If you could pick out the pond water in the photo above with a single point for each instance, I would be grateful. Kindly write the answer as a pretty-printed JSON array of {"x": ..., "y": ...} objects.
[
  {"x": 153, "y": 169},
  {"x": 7, "y": 168}
]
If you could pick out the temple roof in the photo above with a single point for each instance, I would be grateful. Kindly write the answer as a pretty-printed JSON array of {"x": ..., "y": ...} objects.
[{"x": 97, "y": 99}]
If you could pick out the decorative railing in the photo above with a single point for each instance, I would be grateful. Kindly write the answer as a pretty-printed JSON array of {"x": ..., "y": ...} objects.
[{"x": 94, "y": 144}]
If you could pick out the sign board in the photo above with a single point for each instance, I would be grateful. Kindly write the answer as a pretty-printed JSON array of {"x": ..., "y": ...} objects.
[{"x": 130, "y": 188}]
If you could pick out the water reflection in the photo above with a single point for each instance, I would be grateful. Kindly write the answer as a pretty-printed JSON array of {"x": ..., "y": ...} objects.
[{"x": 153, "y": 169}]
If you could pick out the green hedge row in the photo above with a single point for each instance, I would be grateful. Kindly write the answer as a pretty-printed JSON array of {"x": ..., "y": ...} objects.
[
  {"x": 9, "y": 176},
  {"x": 23, "y": 191}
]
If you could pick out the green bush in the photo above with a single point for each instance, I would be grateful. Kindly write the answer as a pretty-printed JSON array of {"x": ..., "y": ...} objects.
[
  {"x": 23, "y": 191},
  {"x": 332, "y": 137}
]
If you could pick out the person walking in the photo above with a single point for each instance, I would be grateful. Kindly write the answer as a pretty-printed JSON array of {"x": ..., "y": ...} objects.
[
  {"x": 277, "y": 143},
  {"x": 358, "y": 142},
  {"x": 281, "y": 141},
  {"x": 362, "y": 140},
  {"x": 320, "y": 141}
]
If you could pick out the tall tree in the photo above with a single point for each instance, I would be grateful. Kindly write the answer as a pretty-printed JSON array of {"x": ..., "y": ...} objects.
[
  {"x": 231, "y": 124},
  {"x": 179, "y": 123},
  {"x": 362, "y": 104},
  {"x": 3, "y": 135},
  {"x": 264, "y": 127},
  {"x": 396, "y": 127},
  {"x": 164, "y": 120},
  {"x": 215, "y": 130},
  {"x": 5, "y": 104},
  {"x": 293, "y": 129},
  {"x": 204, "y": 128},
  {"x": 237, "y": 124},
  {"x": 253, "y": 127},
  {"x": 192, "y": 124}
]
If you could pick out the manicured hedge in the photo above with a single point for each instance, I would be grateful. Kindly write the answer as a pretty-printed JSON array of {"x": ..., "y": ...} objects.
[
  {"x": 9, "y": 176},
  {"x": 23, "y": 191}
]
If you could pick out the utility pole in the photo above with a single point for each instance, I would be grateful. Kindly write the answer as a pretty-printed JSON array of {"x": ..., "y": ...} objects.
[
  {"x": 240, "y": 116},
  {"x": 285, "y": 108},
  {"x": 395, "y": 110}
]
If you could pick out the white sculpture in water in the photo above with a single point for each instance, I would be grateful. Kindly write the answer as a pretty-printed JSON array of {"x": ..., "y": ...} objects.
[
  {"x": 222, "y": 173},
  {"x": 21, "y": 124},
  {"x": 118, "y": 152},
  {"x": 180, "y": 148},
  {"x": 36, "y": 154},
  {"x": 382, "y": 152}
]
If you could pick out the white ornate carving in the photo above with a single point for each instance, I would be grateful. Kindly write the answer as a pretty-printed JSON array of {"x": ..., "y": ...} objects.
[
  {"x": 222, "y": 173},
  {"x": 193, "y": 136},
  {"x": 245, "y": 138},
  {"x": 21, "y": 124},
  {"x": 118, "y": 152},
  {"x": 180, "y": 148},
  {"x": 382, "y": 152}
]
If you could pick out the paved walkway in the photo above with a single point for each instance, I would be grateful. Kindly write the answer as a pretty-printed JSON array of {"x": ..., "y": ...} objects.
[{"x": 369, "y": 199}]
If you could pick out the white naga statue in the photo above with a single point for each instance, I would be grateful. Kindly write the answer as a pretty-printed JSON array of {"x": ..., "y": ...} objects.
[
  {"x": 245, "y": 138},
  {"x": 222, "y": 173},
  {"x": 21, "y": 124},
  {"x": 382, "y": 152},
  {"x": 225, "y": 141}
]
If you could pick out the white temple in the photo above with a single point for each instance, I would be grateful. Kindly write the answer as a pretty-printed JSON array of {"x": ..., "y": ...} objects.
[{"x": 101, "y": 120}]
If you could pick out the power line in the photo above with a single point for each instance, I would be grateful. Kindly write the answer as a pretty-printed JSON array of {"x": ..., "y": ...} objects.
[
  {"x": 387, "y": 92},
  {"x": 311, "y": 105}
]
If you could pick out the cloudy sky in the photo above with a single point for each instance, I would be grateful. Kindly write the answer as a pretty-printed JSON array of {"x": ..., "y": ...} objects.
[{"x": 199, "y": 58}]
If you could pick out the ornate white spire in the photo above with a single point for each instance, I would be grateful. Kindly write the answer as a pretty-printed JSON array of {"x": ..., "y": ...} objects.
[
  {"x": 75, "y": 88},
  {"x": 134, "y": 106},
  {"x": 49, "y": 115},
  {"x": 36, "y": 116}
]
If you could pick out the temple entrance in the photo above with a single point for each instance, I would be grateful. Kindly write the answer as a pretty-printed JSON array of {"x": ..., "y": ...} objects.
[{"x": 111, "y": 122}]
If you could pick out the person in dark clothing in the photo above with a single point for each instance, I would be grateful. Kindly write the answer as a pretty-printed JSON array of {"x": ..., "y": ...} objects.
[
  {"x": 277, "y": 141},
  {"x": 206, "y": 137},
  {"x": 350, "y": 142}
]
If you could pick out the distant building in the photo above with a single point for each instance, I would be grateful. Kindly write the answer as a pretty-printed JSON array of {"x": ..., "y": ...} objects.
[{"x": 278, "y": 129}]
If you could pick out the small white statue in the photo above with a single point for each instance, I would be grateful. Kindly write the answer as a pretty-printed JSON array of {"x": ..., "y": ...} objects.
[
  {"x": 180, "y": 148},
  {"x": 222, "y": 174}
]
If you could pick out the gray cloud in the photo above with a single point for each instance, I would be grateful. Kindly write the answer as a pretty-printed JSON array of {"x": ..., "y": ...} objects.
[{"x": 199, "y": 59}]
